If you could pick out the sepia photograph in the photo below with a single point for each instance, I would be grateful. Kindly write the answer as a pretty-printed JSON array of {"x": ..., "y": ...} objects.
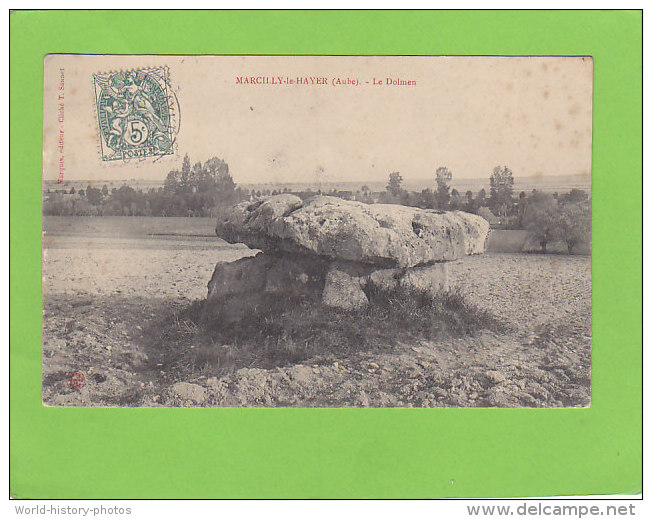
[{"x": 317, "y": 231}]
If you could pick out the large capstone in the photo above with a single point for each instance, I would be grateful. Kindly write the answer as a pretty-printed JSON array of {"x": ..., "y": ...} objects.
[{"x": 381, "y": 234}]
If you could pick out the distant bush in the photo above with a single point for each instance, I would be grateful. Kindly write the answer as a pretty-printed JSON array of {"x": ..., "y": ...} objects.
[
  {"x": 574, "y": 224},
  {"x": 549, "y": 219},
  {"x": 540, "y": 219},
  {"x": 486, "y": 213}
]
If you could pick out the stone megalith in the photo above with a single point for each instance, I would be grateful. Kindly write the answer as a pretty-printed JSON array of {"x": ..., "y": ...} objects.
[{"x": 334, "y": 250}]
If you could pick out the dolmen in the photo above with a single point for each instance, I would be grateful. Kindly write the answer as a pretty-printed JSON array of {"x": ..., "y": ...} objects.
[{"x": 336, "y": 250}]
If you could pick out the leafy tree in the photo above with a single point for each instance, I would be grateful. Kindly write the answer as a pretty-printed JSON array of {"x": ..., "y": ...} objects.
[
  {"x": 520, "y": 209},
  {"x": 502, "y": 187},
  {"x": 540, "y": 219},
  {"x": 486, "y": 213},
  {"x": 171, "y": 182},
  {"x": 574, "y": 224},
  {"x": 395, "y": 181},
  {"x": 197, "y": 174},
  {"x": 221, "y": 175},
  {"x": 94, "y": 195},
  {"x": 443, "y": 177},
  {"x": 482, "y": 197},
  {"x": 184, "y": 179},
  {"x": 193, "y": 191},
  {"x": 127, "y": 197},
  {"x": 427, "y": 199},
  {"x": 468, "y": 204},
  {"x": 574, "y": 196},
  {"x": 83, "y": 207},
  {"x": 456, "y": 200}
]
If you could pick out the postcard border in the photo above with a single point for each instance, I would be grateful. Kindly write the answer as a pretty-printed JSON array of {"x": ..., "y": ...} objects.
[{"x": 340, "y": 453}]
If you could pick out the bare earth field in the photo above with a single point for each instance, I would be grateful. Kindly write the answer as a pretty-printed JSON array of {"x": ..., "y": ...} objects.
[{"x": 111, "y": 284}]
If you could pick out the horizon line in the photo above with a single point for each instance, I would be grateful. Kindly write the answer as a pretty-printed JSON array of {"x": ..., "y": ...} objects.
[{"x": 326, "y": 181}]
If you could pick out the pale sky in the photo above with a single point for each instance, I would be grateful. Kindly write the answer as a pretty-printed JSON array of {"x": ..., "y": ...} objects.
[{"x": 467, "y": 113}]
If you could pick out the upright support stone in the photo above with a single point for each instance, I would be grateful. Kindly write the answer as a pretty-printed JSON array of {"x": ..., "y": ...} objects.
[
  {"x": 343, "y": 291},
  {"x": 432, "y": 279},
  {"x": 240, "y": 287}
]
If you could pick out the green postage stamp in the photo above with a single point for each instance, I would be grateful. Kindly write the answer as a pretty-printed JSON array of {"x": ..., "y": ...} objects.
[{"x": 135, "y": 113}]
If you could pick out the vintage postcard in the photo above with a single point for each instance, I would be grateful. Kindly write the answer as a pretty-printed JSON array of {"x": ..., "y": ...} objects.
[{"x": 317, "y": 231}]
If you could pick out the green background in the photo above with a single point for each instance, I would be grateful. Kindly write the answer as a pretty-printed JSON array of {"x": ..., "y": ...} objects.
[{"x": 329, "y": 453}]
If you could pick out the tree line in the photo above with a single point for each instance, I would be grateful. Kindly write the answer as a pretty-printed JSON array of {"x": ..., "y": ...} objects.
[
  {"x": 197, "y": 190},
  {"x": 547, "y": 217},
  {"x": 201, "y": 189}
]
